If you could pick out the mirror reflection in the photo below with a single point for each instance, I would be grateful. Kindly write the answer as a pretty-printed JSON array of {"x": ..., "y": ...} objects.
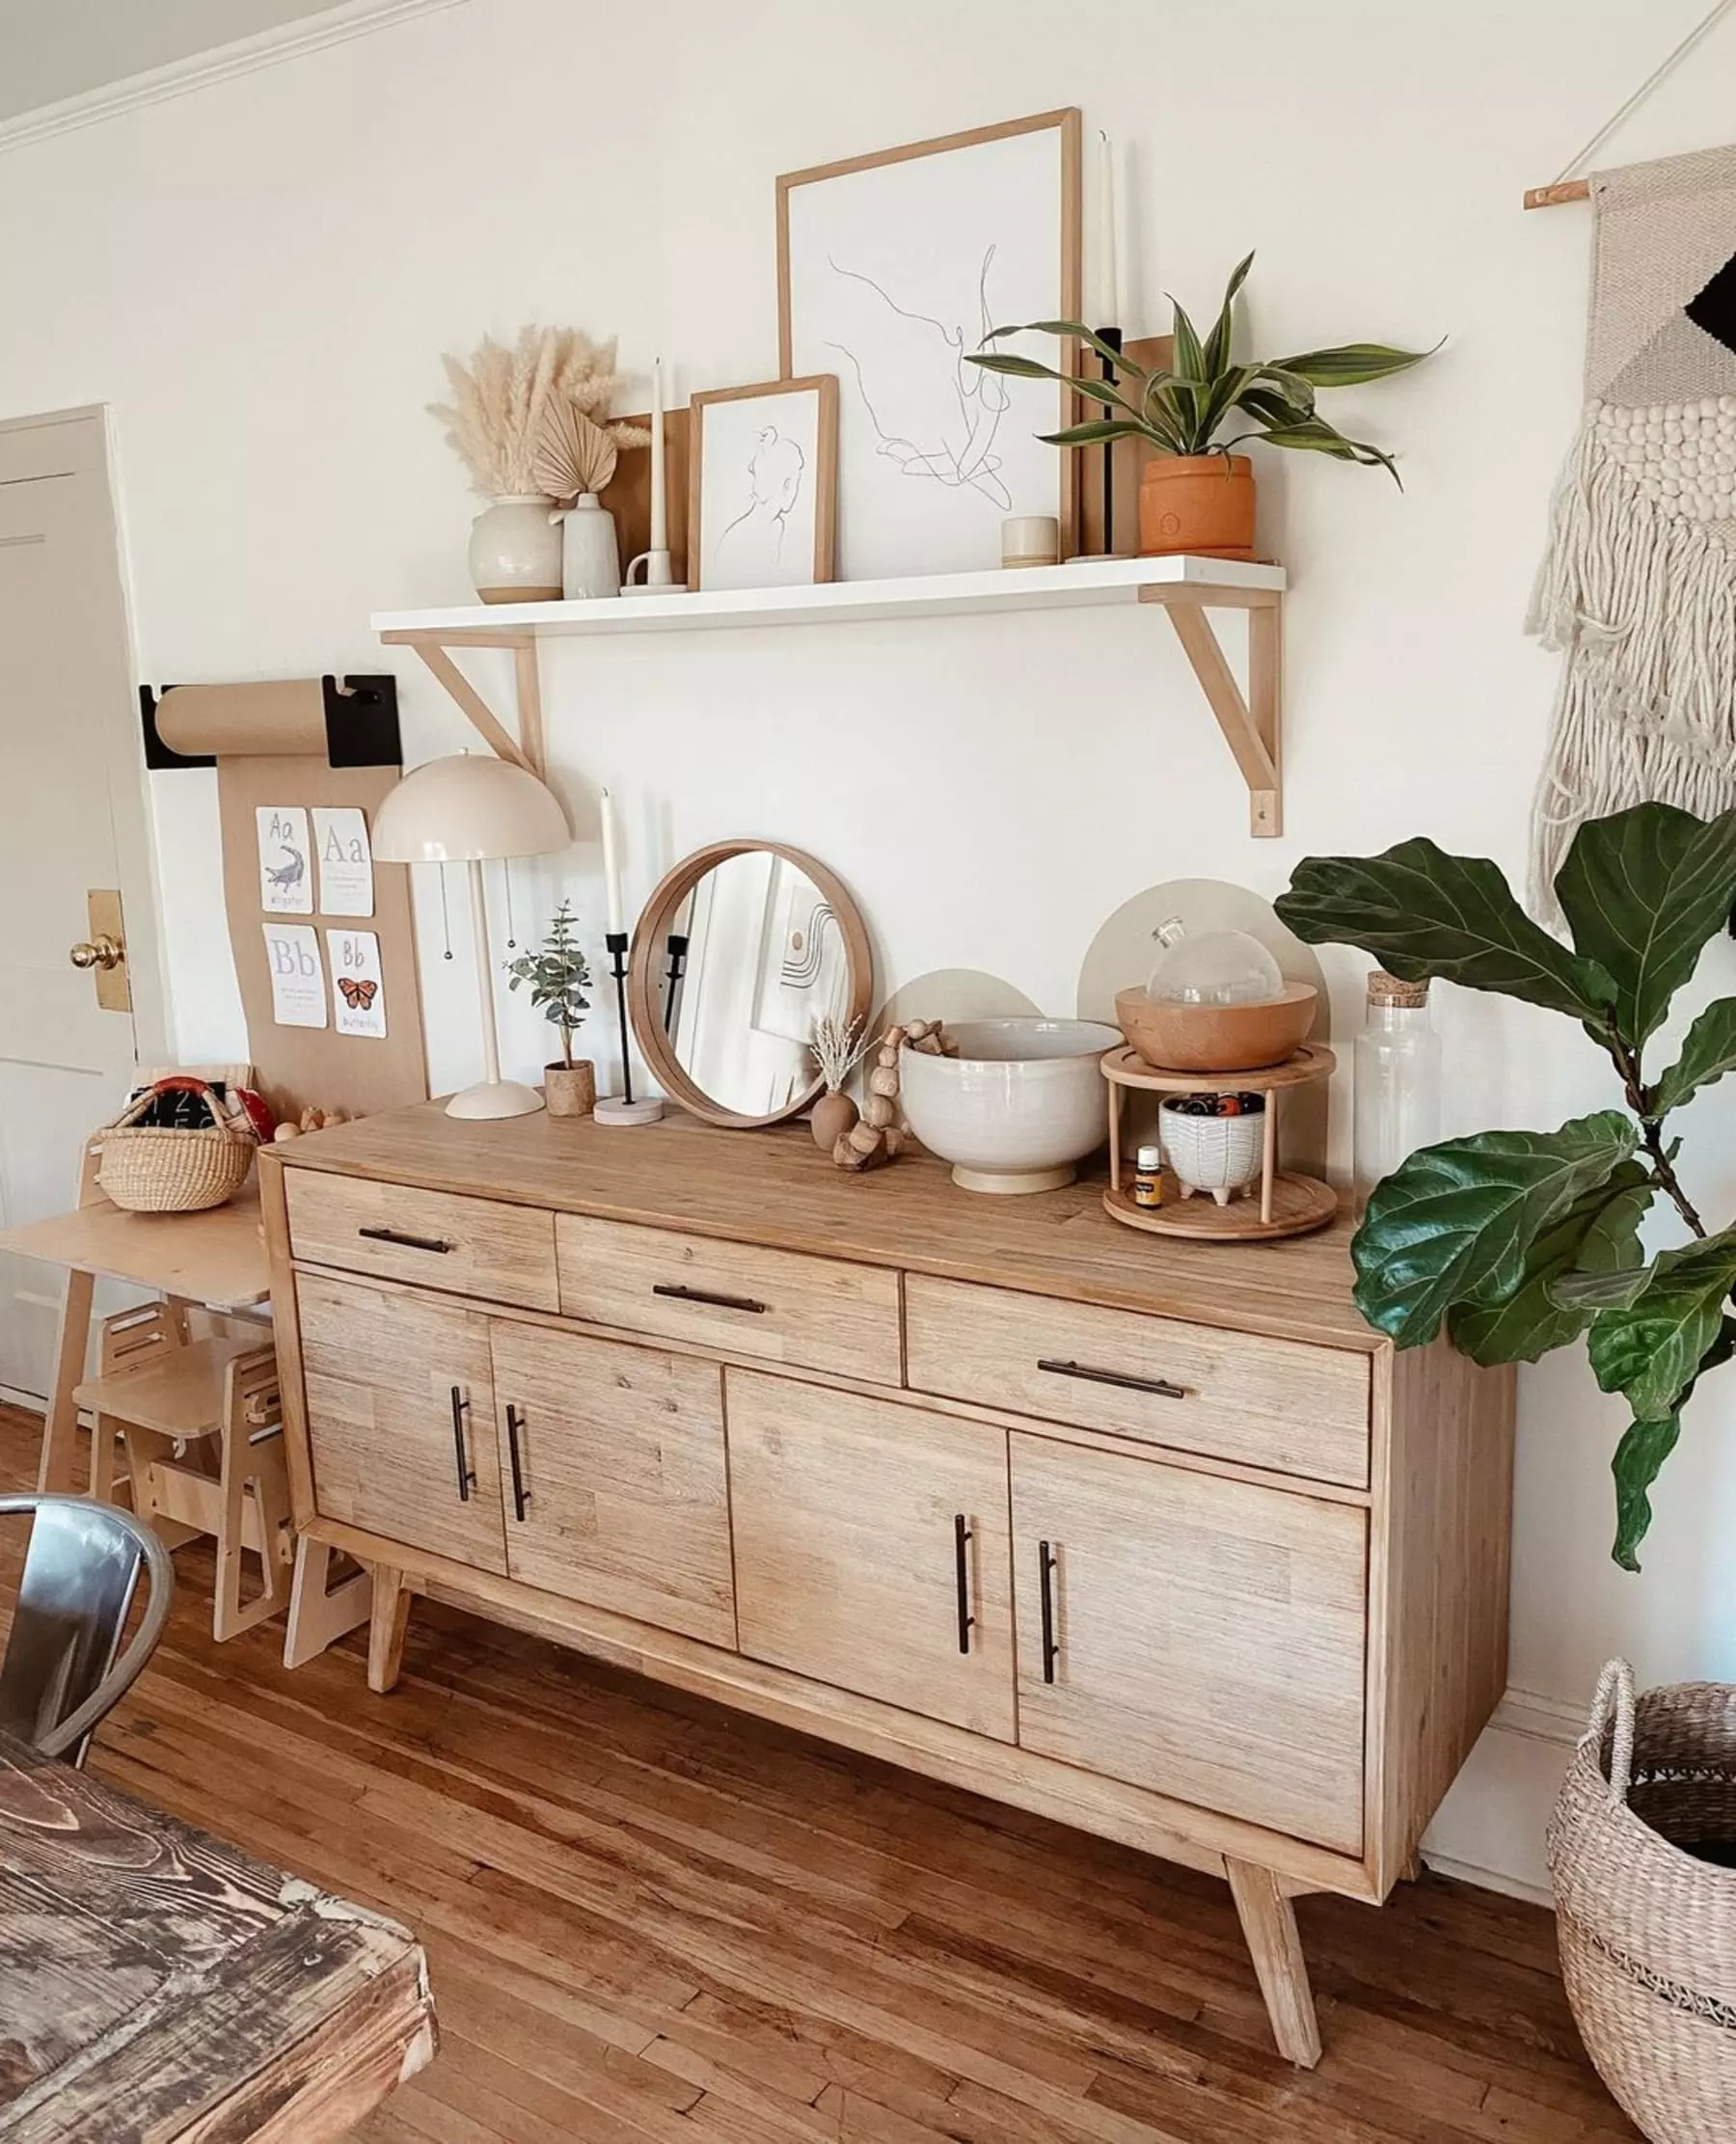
[{"x": 754, "y": 956}]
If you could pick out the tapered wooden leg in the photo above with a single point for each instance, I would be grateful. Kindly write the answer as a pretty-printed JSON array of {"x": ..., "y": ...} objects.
[
  {"x": 1268, "y": 1921},
  {"x": 57, "y": 1470},
  {"x": 386, "y": 1628}
]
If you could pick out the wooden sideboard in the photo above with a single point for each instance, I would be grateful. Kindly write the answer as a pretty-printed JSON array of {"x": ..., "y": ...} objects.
[{"x": 1156, "y": 1538}]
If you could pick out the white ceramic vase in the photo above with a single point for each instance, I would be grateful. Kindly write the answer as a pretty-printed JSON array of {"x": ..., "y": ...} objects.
[
  {"x": 590, "y": 555},
  {"x": 515, "y": 551}
]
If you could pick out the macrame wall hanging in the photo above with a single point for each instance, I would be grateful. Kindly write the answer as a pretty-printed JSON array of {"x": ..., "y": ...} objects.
[{"x": 1637, "y": 588}]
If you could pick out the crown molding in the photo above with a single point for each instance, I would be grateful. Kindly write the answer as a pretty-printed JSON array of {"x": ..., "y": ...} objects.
[{"x": 199, "y": 71}]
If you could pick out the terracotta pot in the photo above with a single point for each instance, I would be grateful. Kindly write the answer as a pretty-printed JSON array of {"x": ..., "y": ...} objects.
[
  {"x": 1200, "y": 503},
  {"x": 834, "y": 1118},
  {"x": 570, "y": 1089}
]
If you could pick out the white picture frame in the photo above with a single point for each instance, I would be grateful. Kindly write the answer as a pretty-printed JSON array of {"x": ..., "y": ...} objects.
[{"x": 891, "y": 270}]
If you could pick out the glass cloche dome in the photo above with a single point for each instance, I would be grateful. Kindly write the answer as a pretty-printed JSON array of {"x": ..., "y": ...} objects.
[{"x": 1215, "y": 967}]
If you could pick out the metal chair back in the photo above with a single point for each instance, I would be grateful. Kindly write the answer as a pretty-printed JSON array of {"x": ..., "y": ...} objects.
[{"x": 60, "y": 1672}]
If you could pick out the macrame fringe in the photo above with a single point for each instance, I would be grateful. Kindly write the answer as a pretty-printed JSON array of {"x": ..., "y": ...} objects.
[{"x": 1643, "y": 604}]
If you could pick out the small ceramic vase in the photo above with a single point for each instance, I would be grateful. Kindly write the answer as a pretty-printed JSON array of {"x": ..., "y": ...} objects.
[
  {"x": 570, "y": 1089},
  {"x": 834, "y": 1118},
  {"x": 515, "y": 551},
  {"x": 590, "y": 555},
  {"x": 1219, "y": 1154}
]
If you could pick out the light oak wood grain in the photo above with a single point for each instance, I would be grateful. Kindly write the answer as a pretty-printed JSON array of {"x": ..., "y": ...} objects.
[
  {"x": 1209, "y": 1635},
  {"x": 845, "y": 1515},
  {"x": 820, "y": 1314},
  {"x": 777, "y": 1191},
  {"x": 1268, "y": 1922},
  {"x": 466, "y": 1246},
  {"x": 384, "y": 1372},
  {"x": 625, "y": 1491},
  {"x": 1264, "y": 1403}
]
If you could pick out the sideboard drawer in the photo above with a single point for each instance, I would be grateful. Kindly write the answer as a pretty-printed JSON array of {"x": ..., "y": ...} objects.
[
  {"x": 466, "y": 1246},
  {"x": 1276, "y": 1403},
  {"x": 811, "y": 1312}
]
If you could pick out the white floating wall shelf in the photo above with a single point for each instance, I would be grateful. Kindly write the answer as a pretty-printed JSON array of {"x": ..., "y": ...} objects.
[{"x": 1186, "y": 587}]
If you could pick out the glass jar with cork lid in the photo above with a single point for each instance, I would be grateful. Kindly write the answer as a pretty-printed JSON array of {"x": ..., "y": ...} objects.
[{"x": 1398, "y": 1081}]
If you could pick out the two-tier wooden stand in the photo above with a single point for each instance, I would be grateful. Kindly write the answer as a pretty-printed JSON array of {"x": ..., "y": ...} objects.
[{"x": 1285, "y": 1204}]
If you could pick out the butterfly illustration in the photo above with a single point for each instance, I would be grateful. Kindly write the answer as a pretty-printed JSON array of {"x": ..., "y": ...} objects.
[{"x": 357, "y": 996}]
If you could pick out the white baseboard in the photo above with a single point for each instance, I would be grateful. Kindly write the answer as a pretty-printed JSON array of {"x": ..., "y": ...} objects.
[
  {"x": 337, "y": 25},
  {"x": 1490, "y": 1828}
]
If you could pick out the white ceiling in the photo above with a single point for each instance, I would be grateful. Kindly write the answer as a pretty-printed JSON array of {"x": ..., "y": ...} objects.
[{"x": 50, "y": 49}]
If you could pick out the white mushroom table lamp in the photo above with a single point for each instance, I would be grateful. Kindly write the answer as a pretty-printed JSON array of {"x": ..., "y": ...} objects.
[{"x": 474, "y": 809}]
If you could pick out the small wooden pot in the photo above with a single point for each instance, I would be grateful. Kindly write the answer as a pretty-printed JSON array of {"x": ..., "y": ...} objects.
[
  {"x": 570, "y": 1089},
  {"x": 834, "y": 1118},
  {"x": 1199, "y": 504}
]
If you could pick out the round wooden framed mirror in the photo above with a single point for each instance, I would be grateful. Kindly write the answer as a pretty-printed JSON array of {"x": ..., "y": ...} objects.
[{"x": 738, "y": 952}]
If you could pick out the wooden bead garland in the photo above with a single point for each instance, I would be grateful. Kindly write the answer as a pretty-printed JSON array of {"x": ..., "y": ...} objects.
[{"x": 880, "y": 1136}]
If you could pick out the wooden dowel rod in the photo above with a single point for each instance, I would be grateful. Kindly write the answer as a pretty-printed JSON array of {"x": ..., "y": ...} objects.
[{"x": 1552, "y": 196}]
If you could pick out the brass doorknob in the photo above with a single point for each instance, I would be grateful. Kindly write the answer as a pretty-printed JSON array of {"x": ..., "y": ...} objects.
[{"x": 102, "y": 951}]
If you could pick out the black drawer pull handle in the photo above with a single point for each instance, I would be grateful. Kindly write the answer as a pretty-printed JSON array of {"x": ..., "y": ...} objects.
[
  {"x": 1124, "y": 1379},
  {"x": 962, "y": 1537},
  {"x": 466, "y": 1474},
  {"x": 1045, "y": 1583},
  {"x": 521, "y": 1496},
  {"x": 704, "y": 1296},
  {"x": 405, "y": 1242}
]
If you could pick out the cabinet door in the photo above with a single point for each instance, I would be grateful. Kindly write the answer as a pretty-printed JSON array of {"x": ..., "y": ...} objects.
[
  {"x": 400, "y": 1418},
  {"x": 1204, "y": 1637},
  {"x": 616, "y": 1488},
  {"x": 871, "y": 1548}
]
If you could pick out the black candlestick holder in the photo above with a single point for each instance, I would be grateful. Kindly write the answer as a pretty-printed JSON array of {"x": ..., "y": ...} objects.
[
  {"x": 1112, "y": 375},
  {"x": 622, "y": 1108},
  {"x": 676, "y": 946}
]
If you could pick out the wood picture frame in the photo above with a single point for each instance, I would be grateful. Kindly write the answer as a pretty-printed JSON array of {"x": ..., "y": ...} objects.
[
  {"x": 909, "y": 406},
  {"x": 773, "y": 551}
]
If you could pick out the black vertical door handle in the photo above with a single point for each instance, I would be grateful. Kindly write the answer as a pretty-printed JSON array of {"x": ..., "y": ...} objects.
[
  {"x": 521, "y": 1496},
  {"x": 961, "y": 1571},
  {"x": 1045, "y": 1581},
  {"x": 466, "y": 1474}
]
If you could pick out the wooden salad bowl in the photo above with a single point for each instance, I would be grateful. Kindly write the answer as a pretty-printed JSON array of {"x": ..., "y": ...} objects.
[{"x": 1173, "y": 1037}]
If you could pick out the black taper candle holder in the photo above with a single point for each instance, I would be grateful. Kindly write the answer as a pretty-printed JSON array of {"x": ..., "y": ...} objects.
[
  {"x": 1111, "y": 377},
  {"x": 616, "y": 941},
  {"x": 676, "y": 946}
]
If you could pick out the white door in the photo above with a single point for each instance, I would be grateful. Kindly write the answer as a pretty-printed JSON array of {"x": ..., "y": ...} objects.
[{"x": 71, "y": 822}]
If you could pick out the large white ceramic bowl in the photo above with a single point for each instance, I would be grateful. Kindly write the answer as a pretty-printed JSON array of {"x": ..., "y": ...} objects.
[{"x": 1018, "y": 1106}]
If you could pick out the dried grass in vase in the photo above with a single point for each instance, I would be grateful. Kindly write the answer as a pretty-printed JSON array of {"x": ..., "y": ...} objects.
[{"x": 504, "y": 401}]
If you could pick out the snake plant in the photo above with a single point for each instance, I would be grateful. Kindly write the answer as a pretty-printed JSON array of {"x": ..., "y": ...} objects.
[{"x": 1183, "y": 411}]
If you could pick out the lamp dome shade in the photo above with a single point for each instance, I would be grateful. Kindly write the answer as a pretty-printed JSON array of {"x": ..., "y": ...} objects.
[{"x": 467, "y": 808}]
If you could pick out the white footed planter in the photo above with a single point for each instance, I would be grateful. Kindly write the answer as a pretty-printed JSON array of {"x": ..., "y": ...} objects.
[
  {"x": 1219, "y": 1154},
  {"x": 515, "y": 551}
]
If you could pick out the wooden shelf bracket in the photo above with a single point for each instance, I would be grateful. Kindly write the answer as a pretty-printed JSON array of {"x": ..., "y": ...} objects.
[
  {"x": 527, "y": 748},
  {"x": 1252, "y": 723}
]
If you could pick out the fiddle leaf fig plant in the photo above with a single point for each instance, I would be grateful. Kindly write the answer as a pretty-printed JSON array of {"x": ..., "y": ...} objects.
[
  {"x": 1185, "y": 409},
  {"x": 1519, "y": 1242}
]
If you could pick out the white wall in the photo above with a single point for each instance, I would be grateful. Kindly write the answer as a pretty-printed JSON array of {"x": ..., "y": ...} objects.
[
  {"x": 260, "y": 277},
  {"x": 50, "y": 49}
]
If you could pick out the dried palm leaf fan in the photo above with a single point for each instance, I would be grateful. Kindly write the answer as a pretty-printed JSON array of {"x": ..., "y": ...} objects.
[
  {"x": 504, "y": 399},
  {"x": 574, "y": 454}
]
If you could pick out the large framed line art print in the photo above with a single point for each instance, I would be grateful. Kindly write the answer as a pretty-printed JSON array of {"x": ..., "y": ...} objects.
[{"x": 891, "y": 269}]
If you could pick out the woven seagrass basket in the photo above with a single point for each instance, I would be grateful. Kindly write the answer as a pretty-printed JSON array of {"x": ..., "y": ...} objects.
[
  {"x": 151, "y": 1169},
  {"x": 1647, "y": 1928}
]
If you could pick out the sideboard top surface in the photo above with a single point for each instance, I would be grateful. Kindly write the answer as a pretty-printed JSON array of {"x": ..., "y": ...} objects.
[{"x": 777, "y": 1189}]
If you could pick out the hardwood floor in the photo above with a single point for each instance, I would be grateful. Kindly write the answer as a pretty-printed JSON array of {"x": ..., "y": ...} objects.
[{"x": 652, "y": 1922}]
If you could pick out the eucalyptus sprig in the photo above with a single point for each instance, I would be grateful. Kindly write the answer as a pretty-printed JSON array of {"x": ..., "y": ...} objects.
[
  {"x": 558, "y": 976},
  {"x": 1182, "y": 411},
  {"x": 1523, "y": 1241}
]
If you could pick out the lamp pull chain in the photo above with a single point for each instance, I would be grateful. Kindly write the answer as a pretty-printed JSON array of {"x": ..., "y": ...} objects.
[
  {"x": 511, "y": 928},
  {"x": 445, "y": 914}
]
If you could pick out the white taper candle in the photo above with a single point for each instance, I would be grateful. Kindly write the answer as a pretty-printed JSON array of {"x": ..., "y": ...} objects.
[
  {"x": 660, "y": 531},
  {"x": 612, "y": 868}
]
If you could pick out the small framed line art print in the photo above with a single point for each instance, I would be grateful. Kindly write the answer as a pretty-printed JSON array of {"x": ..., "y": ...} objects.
[
  {"x": 891, "y": 270},
  {"x": 762, "y": 475}
]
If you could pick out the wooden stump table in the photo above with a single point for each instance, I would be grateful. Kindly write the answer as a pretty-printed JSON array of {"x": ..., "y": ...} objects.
[{"x": 156, "y": 1984}]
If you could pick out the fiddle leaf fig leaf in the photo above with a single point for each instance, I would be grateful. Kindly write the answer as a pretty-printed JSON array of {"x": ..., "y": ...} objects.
[
  {"x": 1643, "y": 891},
  {"x": 1652, "y": 1348},
  {"x": 1595, "y": 1237},
  {"x": 1423, "y": 913},
  {"x": 1455, "y": 1224},
  {"x": 1708, "y": 1052},
  {"x": 1640, "y": 1454}
]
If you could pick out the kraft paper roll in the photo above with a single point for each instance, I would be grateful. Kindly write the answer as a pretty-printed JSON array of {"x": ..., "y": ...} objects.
[{"x": 279, "y": 718}]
